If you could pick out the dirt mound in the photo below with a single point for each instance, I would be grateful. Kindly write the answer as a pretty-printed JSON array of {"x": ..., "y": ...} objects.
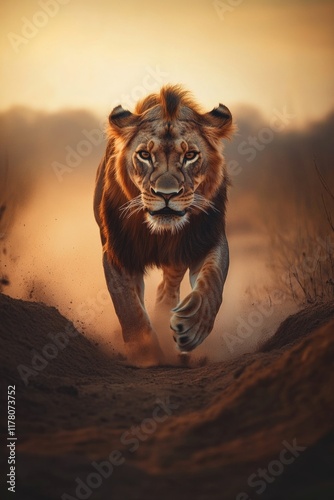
[
  {"x": 299, "y": 325},
  {"x": 90, "y": 427},
  {"x": 32, "y": 330}
]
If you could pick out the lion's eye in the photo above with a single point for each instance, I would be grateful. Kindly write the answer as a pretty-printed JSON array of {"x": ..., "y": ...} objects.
[
  {"x": 190, "y": 155},
  {"x": 145, "y": 155}
]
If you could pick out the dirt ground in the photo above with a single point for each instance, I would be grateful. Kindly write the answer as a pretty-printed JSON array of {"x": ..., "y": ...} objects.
[{"x": 88, "y": 426}]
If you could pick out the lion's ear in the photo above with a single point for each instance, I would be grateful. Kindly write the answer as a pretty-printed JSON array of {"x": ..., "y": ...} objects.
[
  {"x": 219, "y": 120},
  {"x": 121, "y": 119}
]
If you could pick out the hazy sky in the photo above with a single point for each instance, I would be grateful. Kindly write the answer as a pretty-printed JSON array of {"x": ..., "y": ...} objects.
[{"x": 94, "y": 54}]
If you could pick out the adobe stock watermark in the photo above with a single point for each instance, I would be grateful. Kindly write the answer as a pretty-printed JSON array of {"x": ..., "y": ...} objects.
[
  {"x": 91, "y": 139},
  {"x": 305, "y": 269},
  {"x": 74, "y": 155},
  {"x": 226, "y": 7},
  {"x": 40, "y": 360},
  {"x": 131, "y": 439},
  {"x": 255, "y": 144},
  {"x": 92, "y": 306},
  {"x": 31, "y": 27},
  {"x": 247, "y": 325},
  {"x": 151, "y": 82},
  {"x": 263, "y": 477}
]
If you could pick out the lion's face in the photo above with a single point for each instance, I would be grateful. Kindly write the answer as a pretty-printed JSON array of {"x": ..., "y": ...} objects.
[{"x": 169, "y": 168}]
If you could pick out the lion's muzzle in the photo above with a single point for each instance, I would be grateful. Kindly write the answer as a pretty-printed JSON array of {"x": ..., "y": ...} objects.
[
  {"x": 167, "y": 190},
  {"x": 167, "y": 211}
]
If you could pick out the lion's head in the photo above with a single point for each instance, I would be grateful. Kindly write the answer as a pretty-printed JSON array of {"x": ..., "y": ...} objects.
[{"x": 167, "y": 157}]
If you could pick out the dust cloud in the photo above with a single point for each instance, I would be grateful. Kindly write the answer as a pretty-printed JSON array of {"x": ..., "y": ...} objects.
[{"x": 50, "y": 244}]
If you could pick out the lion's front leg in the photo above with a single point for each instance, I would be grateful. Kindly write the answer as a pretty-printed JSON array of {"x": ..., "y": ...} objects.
[
  {"x": 168, "y": 294},
  {"x": 194, "y": 317},
  {"x": 127, "y": 293}
]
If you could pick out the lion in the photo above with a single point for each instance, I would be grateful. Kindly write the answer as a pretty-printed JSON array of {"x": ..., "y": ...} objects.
[{"x": 160, "y": 199}]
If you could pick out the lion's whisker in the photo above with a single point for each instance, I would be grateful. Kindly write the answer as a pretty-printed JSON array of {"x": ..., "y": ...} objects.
[
  {"x": 194, "y": 205},
  {"x": 131, "y": 207},
  {"x": 138, "y": 209},
  {"x": 129, "y": 203},
  {"x": 203, "y": 204}
]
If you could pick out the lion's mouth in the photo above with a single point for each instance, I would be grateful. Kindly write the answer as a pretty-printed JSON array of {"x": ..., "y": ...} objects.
[{"x": 167, "y": 211}]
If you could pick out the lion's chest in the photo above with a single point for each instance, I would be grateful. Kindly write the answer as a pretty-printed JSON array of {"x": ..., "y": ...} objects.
[{"x": 136, "y": 248}]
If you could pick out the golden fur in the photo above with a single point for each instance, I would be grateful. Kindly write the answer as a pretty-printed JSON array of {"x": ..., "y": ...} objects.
[{"x": 162, "y": 185}]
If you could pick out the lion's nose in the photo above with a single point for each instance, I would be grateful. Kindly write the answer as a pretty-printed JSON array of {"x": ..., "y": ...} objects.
[
  {"x": 166, "y": 196},
  {"x": 166, "y": 187}
]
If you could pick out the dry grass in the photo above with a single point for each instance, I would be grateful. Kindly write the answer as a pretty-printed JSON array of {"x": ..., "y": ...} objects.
[{"x": 303, "y": 253}]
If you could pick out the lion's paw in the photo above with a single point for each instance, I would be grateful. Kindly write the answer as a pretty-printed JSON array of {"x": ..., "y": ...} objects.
[
  {"x": 192, "y": 321},
  {"x": 144, "y": 352}
]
